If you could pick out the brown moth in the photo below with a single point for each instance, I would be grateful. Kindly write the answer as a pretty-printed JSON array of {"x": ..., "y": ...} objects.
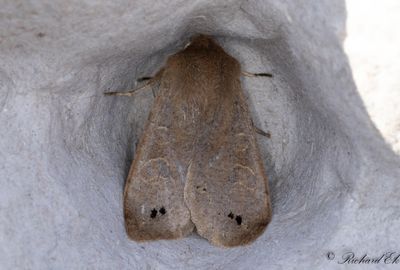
[{"x": 197, "y": 163}]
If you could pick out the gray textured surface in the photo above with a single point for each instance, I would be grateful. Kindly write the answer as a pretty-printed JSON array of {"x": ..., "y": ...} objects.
[{"x": 65, "y": 149}]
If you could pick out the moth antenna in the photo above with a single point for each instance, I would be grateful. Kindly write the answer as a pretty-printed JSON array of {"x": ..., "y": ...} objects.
[
  {"x": 150, "y": 81},
  {"x": 128, "y": 93}
]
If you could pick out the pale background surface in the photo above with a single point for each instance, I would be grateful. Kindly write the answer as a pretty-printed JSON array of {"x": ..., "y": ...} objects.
[
  {"x": 65, "y": 149},
  {"x": 373, "y": 47}
]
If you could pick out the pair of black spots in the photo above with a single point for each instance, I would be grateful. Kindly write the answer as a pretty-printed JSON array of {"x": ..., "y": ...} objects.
[
  {"x": 162, "y": 211},
  {"x": 197, "y": 163},
  {"x": 154, "y": 212},
  {"x": 237, "y": 218}
]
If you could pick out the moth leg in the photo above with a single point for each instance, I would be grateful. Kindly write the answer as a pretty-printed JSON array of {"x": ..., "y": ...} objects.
[
  {"x": 261, "y": 132},
  {"x": 248, "y": 74},
  {"x": 142, "y": 79}
]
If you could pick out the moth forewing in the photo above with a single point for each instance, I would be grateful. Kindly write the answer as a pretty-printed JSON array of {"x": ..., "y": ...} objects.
[
  {"x": 227, "y": 189},
  {"x": 154, "y": 207}
]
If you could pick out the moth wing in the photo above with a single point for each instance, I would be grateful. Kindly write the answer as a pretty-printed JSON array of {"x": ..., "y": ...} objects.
[
  {"x": 227, "y": 188},
  {"x": 154, "y": 206}
]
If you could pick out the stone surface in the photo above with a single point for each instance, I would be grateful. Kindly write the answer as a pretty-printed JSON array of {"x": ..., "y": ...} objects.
[{"x": 66, "y": 149}]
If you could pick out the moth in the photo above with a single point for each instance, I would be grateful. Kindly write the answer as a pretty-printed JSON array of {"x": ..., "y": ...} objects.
[{"x": 197, "y": 164}]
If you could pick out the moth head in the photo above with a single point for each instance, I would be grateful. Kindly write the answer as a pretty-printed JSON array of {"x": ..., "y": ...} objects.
[{"x": 202, "y": 42}]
